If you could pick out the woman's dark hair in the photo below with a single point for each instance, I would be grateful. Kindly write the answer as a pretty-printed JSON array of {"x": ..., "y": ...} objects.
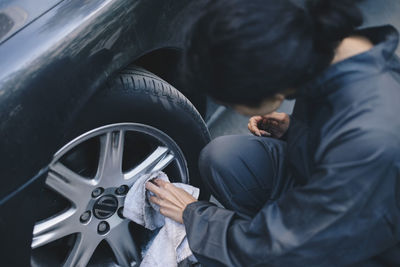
[{"x": 243, "y": 51}]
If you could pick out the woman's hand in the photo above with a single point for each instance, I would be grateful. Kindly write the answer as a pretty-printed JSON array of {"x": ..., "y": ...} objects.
[
  {"x": 171, "y": 199},
  {"x": 274, "y": 124}
]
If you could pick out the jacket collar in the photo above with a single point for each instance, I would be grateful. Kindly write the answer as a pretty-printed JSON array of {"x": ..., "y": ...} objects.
[{"x": 373, "y": 61}]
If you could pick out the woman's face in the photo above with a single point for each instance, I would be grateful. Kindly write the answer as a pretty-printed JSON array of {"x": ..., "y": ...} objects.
[{"x": 267, "y": 106}]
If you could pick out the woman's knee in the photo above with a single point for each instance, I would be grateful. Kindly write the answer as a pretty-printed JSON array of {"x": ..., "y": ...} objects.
[
  {"x": 238, "y": 171},
  {"x": 218, "y": 154},
  {"x": 240, "y": 153}
]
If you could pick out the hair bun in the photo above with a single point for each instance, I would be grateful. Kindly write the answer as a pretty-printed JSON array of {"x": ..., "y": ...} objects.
[{"x": 334, "y": 20}]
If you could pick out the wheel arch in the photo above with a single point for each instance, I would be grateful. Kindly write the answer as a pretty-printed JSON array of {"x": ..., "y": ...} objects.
[{"x": 165, "y": 63}]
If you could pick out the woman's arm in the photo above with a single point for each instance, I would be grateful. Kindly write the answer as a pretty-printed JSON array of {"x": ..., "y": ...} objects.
[{"x": 299, "y": 141}]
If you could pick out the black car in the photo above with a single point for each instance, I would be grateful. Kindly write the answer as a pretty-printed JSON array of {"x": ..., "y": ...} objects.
[{"x": 87, "y": 104}]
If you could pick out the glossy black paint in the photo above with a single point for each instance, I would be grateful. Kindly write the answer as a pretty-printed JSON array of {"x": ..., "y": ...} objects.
[
  {"x": 16, "y": 14},
  {"x": 49, "y": 69}
]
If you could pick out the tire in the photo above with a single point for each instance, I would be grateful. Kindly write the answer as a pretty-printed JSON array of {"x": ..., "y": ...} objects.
[
  {"x": 139, "y": 96},
  {"x": 134, "y": 99}
]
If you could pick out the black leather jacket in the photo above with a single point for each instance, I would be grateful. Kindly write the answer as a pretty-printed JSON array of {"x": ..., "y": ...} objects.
[{"x": 345, "y": 153}]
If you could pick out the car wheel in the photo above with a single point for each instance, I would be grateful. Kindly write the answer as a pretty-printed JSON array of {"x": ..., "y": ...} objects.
[{"x": 136, "y": 124}]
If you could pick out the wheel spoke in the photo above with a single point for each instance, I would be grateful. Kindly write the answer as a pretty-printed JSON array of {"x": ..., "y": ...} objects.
[
  {"x": 162, "y": 164},
  {"x": 111, "y": 153},
  {"x": 157, "y": 160},
  {"x": 67, "y": 182},
  {"x": 53, "y": 228},
  {"x": 123, "y": 246},
  {"x": 82, "y": 251}
]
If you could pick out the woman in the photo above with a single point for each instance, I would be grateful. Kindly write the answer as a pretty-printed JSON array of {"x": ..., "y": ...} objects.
[{"x": 321, "y": 187}]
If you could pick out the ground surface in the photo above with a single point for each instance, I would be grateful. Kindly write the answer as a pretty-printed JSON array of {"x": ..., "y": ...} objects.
[{"x": 377, "y": 12}]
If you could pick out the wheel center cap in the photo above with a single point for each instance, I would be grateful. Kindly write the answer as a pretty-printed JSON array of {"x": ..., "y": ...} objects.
[{"x": 105, "y": 207}]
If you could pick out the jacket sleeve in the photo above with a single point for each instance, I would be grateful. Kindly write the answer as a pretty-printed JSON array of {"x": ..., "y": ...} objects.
[
  {"x": 345, "y": 214},
  {"x": 298, "y": 138}
]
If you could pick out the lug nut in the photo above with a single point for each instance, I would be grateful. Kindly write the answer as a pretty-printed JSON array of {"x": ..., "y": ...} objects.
[
  {"x": 103, "y": 227},
  {"x": 120, "y": 212},
  {"x": 85, "y": 217},
  {"x": 97, "y": 192},
  {"x": 122, "y": 190}
]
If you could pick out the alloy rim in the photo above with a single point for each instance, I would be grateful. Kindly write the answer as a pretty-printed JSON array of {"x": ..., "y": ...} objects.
[{"x": 96, "y": 203}]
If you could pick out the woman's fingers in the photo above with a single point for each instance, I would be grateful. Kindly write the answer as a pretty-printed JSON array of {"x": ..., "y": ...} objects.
[
  {"x": 253, "y": 125},
  {"x": 168, "y": 208},
  {"x": 265, "y": 133},
  {"x": 267, "y": 120},
  {"x": 154, "y": 188},
  {"x": 155, "y": 200},
  {"x": 160, "y": 183},
  {"x": 171, "y": 199},
  {"x": 162, "y": 202},
  {"x": 276, "y": 116},
  {"x": 164, "y": 190}
]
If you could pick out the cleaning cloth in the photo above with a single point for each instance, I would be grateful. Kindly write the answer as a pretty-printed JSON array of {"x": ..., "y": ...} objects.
[{"x": 170, "y": 246}]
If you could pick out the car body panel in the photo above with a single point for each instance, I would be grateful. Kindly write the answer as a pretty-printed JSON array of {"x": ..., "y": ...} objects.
[
  {"x": 16, "y": 14},
  {"x": 45, "y": 77},
  {"x": 16, "y": 222},
  {"x": 48, "y": 71}
]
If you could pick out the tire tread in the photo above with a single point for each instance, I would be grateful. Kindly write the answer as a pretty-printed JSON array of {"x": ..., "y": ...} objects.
[{"x": 130, "y": 79}]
